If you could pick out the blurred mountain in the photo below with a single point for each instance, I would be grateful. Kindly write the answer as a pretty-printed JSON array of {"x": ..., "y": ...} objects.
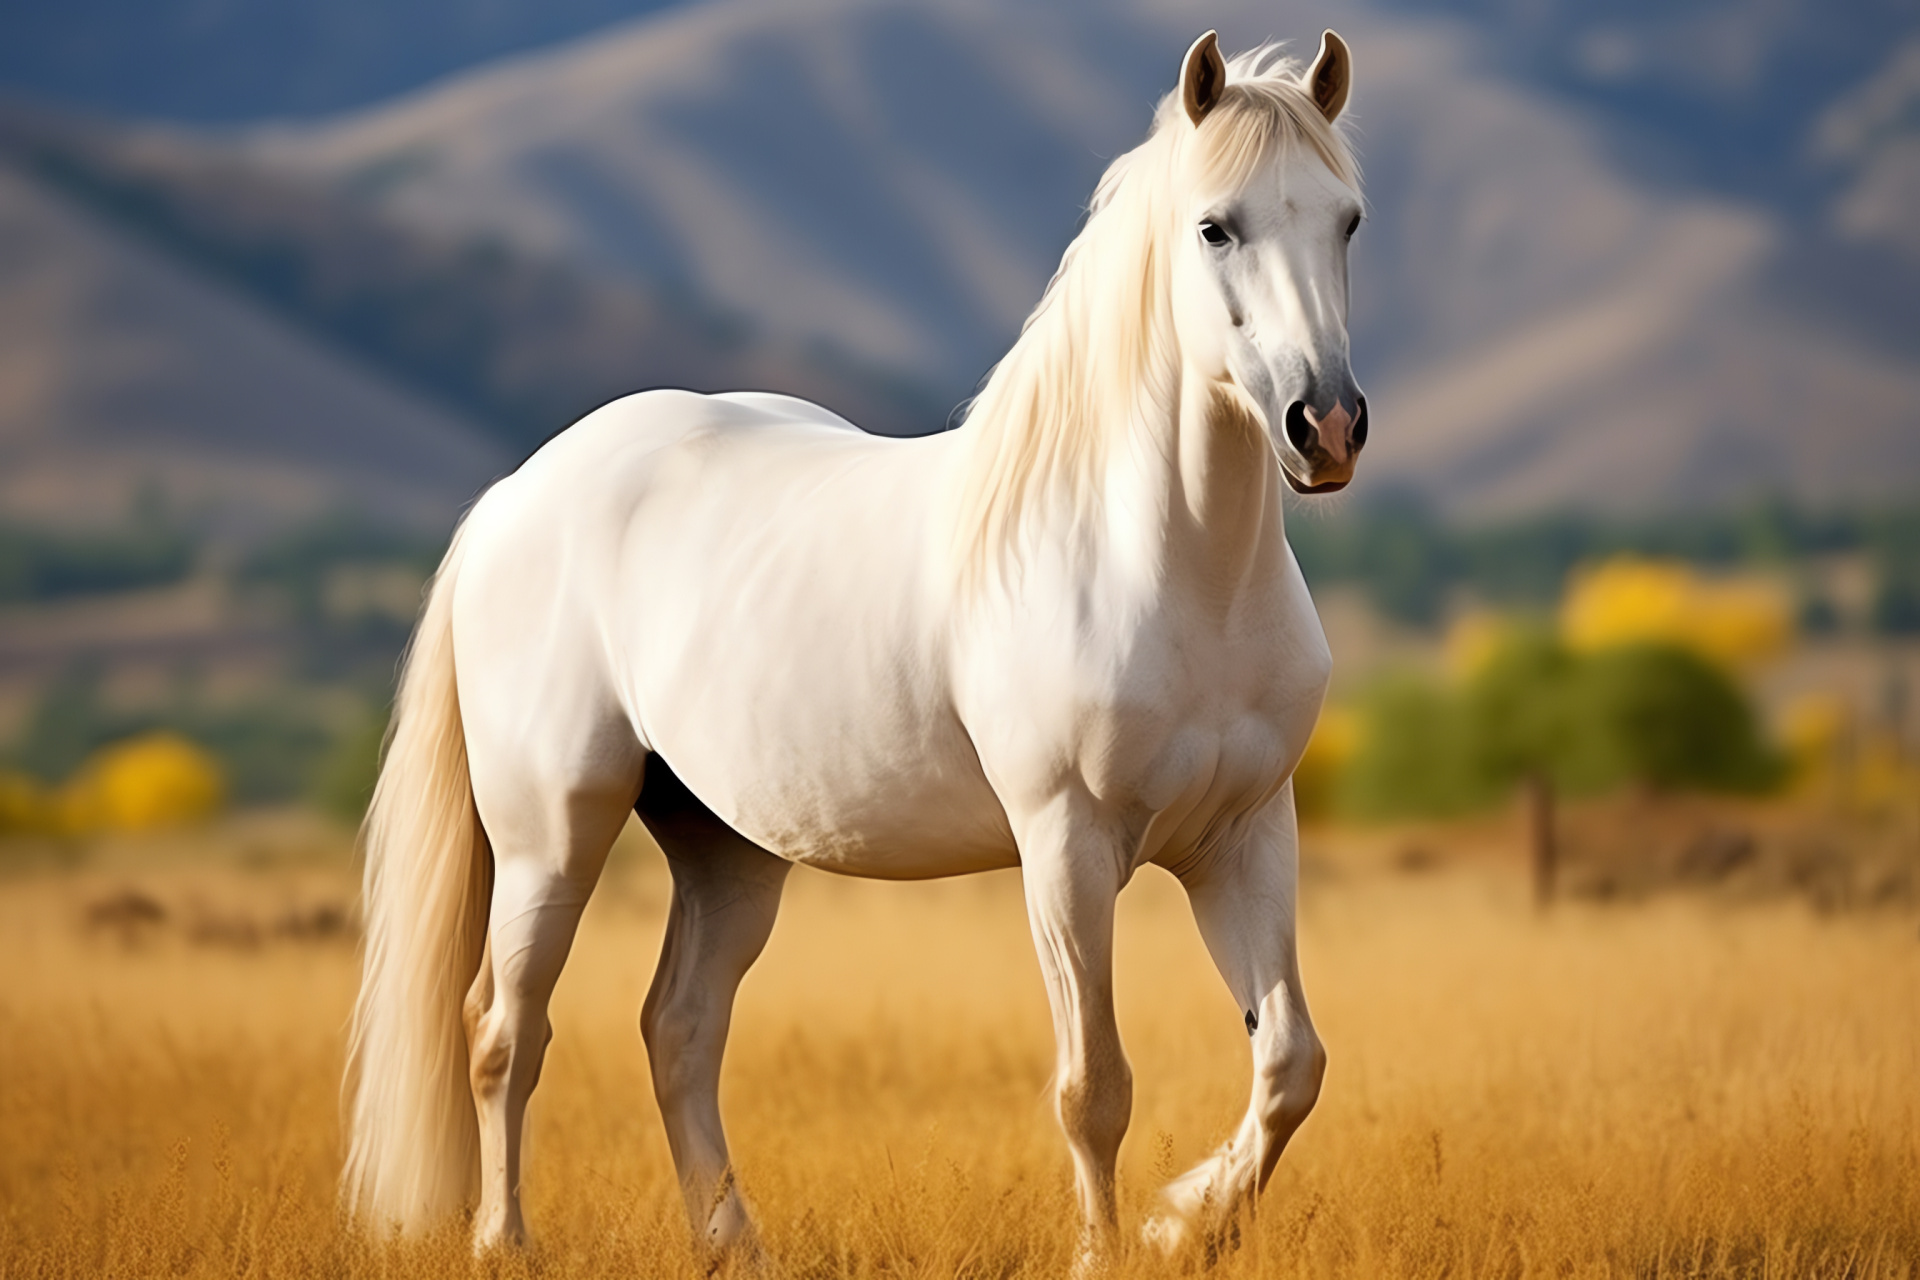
[
  {"x": 1653, "y": 259},
  {"x": 1540, "y": 319},
  {"x": 896, "y": 179},
  {"x": 496, "y": 346},
  {"x": 124, "y": 376},
  {"x": 214, "y": 60},
  {"x": 1723, "y": 95}
]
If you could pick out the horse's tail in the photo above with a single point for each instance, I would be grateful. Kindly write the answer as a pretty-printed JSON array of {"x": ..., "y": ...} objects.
[{"x": 413, "y": 1139}]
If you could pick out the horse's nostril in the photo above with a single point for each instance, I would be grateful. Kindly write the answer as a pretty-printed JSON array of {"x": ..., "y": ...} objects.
[
  {"x": 1359, "y": 436},
  {"x": 1299, "y": 430}
]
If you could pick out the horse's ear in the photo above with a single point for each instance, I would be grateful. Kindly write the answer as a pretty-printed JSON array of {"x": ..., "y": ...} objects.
[
  {"x": 1202, "y": 76},
  {"x": 1331, "y": 75}
]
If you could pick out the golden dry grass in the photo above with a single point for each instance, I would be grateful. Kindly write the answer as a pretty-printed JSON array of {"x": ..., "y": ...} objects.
[{"x": 1658, "y": 1090}]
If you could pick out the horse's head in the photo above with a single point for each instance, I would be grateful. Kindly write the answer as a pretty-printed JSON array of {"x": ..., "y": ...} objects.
[{"x": 1269, "y": 197}]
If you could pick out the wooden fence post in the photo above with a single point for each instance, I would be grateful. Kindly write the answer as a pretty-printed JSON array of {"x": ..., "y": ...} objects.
[{"x": 1541, "y": 836}]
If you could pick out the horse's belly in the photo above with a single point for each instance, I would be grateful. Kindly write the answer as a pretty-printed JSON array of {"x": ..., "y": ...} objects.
[{"x": 855, "y": 794}]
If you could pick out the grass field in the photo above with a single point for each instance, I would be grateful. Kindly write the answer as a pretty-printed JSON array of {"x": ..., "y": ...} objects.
[{"x": 1673, "y": 1088}]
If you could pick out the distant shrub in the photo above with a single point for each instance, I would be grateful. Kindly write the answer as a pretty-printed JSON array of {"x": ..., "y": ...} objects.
[
  {"x": 43, "y": 565},
  {"x": 301, "y": 561},
  {"x": 152, "y": 781},
  {"x": 1316, "y": 779},
  {"x": 24, "y": 803},
  {"x": 1896, "y": 607},
  {"x": 1411, "y": 562},
  {"x": 1522, "y": 715},
  {"x": 1664, "y": 716},
  {"x": 343, "y": 785},
  {"x": 1630, "y": 600},
  {"x": 1896, "y": 571},
  {"x": 1657, "y": 715},
  {"x": 268, "y": 747},
  {"x": 1409, "y": 761}
]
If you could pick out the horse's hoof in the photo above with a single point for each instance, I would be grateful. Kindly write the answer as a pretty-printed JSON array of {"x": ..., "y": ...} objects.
[
  {"x": 1165, "y": 1234},
  {"x": 497, "y": 1240},
  {"x": 733, "y": 1246},
  {"x": 1175, "y": 1237},
  {"x": 1090, "y": 1262}
]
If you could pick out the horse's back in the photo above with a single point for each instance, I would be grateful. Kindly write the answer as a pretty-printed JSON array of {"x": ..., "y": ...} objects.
[
  {"x": 653, "y": 449},
  {"x": 639, "y": 424}
]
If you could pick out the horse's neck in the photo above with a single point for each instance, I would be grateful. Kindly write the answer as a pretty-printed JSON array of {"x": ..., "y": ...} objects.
[{"x": 1217, "y": 487}]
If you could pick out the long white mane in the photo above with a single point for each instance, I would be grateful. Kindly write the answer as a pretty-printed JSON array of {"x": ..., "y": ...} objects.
[{"x": 1098, "y": 353}]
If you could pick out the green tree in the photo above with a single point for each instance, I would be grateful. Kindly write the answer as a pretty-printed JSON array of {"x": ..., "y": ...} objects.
[
  {"x": 1561, "y": 722},
  {"x": 1411, "y": 760},
  {"x": 1666, "y": 717},
  {"x": 1521, "y": 713},
  {"x": 343, "y": 784}
]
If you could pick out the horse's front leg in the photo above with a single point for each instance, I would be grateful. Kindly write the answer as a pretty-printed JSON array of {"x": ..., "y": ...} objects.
[
  {"x": 1243, "y": 900},
  {"x": 1072, "y": 873}
]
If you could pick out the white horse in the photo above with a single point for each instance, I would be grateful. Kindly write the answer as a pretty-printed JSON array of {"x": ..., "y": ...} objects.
[{"x": 1069, "y": 636}]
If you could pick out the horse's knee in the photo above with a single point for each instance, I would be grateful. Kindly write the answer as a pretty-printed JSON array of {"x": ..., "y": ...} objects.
[{"x": 1291, "y": 1075}]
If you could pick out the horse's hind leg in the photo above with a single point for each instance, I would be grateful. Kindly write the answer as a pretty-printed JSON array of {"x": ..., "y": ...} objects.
[
  {"x": 726, "y": 893},
  {"x": 551, "y": 826},
  {"x": 1243, "y": 901}
]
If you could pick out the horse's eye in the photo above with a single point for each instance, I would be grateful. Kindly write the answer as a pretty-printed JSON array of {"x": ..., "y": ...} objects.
[
  {"x": 1353, "y": 226},
  {"x": 1213, "y": 234}
]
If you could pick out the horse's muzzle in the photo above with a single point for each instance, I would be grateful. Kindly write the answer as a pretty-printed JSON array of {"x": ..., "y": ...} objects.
[{"x": 1327, "y": 443}]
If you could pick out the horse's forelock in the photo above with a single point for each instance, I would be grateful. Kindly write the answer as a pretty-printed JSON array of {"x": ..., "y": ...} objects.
[{"x": 1265, "y": 104}]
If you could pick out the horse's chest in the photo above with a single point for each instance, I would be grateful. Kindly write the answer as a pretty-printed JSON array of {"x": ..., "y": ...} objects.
[{"x": 1197, "y": 734}]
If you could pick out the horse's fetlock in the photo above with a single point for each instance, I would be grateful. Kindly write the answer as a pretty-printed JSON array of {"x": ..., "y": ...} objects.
[{"x": 1291, "y": 1080}]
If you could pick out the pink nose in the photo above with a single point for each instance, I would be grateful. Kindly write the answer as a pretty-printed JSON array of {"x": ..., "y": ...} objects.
[{"x": 1335, "y": 432}]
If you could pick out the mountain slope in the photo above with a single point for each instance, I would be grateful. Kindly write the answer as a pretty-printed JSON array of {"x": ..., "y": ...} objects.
[
  {"x": 1536, "y": 324},
  {"x": 514, "y": 340},
  {"x": 191, "y": 60},
  {"x": 120, "y": 371},
  {"x": 893, "y": 179}
]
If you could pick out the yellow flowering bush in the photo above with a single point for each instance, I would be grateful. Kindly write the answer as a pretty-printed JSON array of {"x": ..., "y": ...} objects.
[
  {"x": 154, "y": 780},
  {"x": 1635, "y": 600}
]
